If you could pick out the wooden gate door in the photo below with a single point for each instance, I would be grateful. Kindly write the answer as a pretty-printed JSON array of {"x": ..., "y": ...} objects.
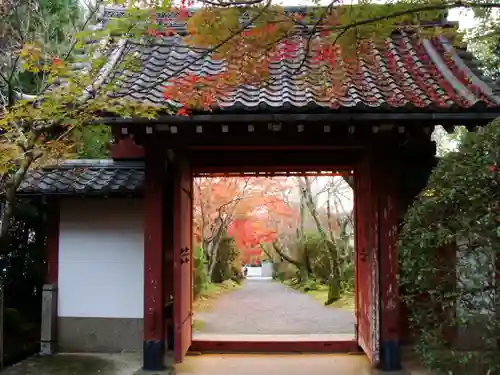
[
  {"x": 182, "y": 279},
  {"x": 368, "y": 313}
]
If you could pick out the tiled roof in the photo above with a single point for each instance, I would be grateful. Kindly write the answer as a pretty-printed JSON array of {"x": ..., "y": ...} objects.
[
  {"x": 404, "y": 74},
  {"x": 85, "y": 177}
]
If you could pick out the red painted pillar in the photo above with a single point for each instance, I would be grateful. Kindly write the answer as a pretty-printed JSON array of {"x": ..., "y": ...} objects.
[
  {"x": 168, "y": 233},
  {"x": 52, "y": 250},
  {"x": 153, "y": 349},
  {"x": 390, "y": 359}
]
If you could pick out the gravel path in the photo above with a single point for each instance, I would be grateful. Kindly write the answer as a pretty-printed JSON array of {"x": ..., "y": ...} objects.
[{"x": 268, "y": 307}]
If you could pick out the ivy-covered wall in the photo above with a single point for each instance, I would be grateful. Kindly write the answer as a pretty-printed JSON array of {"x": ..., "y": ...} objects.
[{"x": 453, "y": 290}]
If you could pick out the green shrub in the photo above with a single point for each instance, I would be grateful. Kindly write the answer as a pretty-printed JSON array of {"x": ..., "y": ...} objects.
[
  {"x": 228, "y": 264},
  {"x": 348, "y": 278},
  {"x": 310, "y": 285},
  {"x": 283, "y": 271},
  {"x": 200, "y": 278},
  {"x": 317, "y": 254},
  {"x": 320, "y": 263}
]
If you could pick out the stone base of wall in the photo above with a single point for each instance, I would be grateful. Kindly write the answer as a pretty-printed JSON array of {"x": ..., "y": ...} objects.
[{"x": 104, "y": 335}]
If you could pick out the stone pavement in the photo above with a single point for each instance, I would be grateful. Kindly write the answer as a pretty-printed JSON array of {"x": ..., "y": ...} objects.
[
  {"x": 266, "y": 307},
  {"x": 214, "y": 364}
]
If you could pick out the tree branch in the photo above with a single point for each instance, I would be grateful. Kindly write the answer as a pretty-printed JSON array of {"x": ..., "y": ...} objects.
[{"x": 286, "y": 257}]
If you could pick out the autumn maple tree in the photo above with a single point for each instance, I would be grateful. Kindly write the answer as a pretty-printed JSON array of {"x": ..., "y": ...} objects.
[
  {"x": 246, "y": 37},
  {"x": 233, "y": 206},
  {"x": 253, "y": 230},
  {"x": 249, "y": 233}
]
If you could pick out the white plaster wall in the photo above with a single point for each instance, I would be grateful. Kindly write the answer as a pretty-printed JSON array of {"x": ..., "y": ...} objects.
[
  {"x": 475, "y": 271},
  {"x": 267, "y": 269},
  {"x": 254, "y": 272},
  {"x": 101, "y": 258}
]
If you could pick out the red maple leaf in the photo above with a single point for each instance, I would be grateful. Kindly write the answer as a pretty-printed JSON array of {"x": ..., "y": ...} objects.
[
  {"x": 56, "y": 61},
  {"x": 182, "y": 112}
]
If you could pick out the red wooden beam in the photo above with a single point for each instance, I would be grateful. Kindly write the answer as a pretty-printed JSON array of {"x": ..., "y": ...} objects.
[
  {"x": 153, "y": 264},
  {"x": 281, "y": 170},
  {"x": 52, "y": 251},
  {"x": 274, "y": 346},
  {"x": 271, "y": 148}
]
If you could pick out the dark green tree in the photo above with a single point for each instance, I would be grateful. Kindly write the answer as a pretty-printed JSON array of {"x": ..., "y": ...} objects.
[
  {"x": 484, "y": 42},
  {"x": 47, "y": 21}
]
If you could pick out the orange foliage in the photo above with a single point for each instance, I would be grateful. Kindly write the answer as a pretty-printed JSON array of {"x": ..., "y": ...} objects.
[
  {"x": 244, "y": 204},
  {"x": 247, "y": 52},
  {"x": 248, "y": 234}
]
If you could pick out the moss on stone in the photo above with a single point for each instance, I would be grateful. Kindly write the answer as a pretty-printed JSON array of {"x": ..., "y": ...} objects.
[{"x": 68, "y": 364}]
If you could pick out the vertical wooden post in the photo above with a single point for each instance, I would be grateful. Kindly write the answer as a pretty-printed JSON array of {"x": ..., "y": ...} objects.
[
  {"x": 48, "y": 339},
  {"x": 367, "y": 260},
  {"x": 168, "y": 235},
  {"x": 390, "y": 357},
  {"x": 52, "y": 250},
  {"x": 153, "y": 348},
  {"x": 49, "y": 319},
  {"x": 182, "y": 277},
  {"x": 356, "y": 260}
]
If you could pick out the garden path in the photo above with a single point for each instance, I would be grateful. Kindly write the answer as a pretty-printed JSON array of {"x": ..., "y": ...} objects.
[{"x": 263, "y": 306}]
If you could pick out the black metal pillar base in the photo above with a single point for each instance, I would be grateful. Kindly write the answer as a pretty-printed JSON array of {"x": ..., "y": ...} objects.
[
  {"x": 153, "y": 356},
  {"x": 390, "y": 356}
]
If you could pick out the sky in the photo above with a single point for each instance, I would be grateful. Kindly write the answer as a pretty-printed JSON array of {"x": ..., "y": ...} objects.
[
  {"x": 343, "y": 192},
  {"x": 465, "y": 17}
]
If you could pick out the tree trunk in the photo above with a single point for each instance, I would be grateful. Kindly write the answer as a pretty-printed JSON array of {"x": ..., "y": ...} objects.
[
  {"x": 302, "y": 268},
  {"x": 350, "y": 181},
  {"x": 302, "y": 216},
  {"x": 213, "y": 256},
  {"x": 331, "y": 233},
  {"x": 12, "y": 184},
  {"x": 334, "y": 286},
  {"x": 267, "y": 252},
  {"x": 211, "y": 246}
]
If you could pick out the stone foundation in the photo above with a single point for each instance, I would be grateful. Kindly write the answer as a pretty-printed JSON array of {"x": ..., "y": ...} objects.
[{"x": 104, "y": 335}]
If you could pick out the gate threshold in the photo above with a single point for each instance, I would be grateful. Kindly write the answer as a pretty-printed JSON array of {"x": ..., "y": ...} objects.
[{"x": 251, "y": 343}]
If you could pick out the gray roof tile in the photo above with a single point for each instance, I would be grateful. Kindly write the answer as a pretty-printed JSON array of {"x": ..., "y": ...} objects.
[
  {"x": 403, "y": 74},
  {"x": 85, "y": 178}
]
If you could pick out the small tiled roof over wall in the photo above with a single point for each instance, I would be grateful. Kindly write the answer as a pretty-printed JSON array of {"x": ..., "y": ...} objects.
[{"x": 86, "y": 177}]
